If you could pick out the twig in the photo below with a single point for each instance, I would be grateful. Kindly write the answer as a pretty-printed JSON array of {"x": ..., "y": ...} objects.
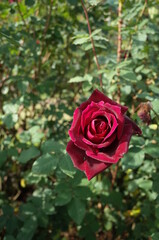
[
  {"x": 91, "y": 38},
  {"x": 119, "y": 48},
  {"x": 43, "y": 38},
  {"x": 114, "y": 175}
]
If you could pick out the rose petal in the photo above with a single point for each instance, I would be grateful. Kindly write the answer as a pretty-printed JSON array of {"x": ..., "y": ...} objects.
[
  {"x": 93, "y": 129},
  {"x": 93, "y": 167},
  {"x": 87, "y": 113},
  {"x": 97, "y": 96},
  {"x": 100, "y": 145},
  {"x": 116, "y": 150},
  {"x": 96, "y": 138},
  {"x": 82, "y": 145},
  {"x": 109, "y": 118},
  {"x": 112, "y": 129},
  {"x": 77, "y": 155},
  {"x": 136, "y": 129},
  {"x": 75, "y": 127},
  {"x": 116, "y": 110},
  {"x": 100, "y": 113},
  {"x": 80, "y": 160}
]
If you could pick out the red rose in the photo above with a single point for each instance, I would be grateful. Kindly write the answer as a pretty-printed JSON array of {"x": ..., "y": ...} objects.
[{"x": 100, "y": 134}]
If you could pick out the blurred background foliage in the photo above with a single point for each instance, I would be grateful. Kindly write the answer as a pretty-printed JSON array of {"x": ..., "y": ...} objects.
[{"x": 47, "y": 69}]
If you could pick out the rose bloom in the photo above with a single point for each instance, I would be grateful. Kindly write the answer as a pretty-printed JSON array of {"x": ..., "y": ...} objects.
[{"x": 100, "y": 134}]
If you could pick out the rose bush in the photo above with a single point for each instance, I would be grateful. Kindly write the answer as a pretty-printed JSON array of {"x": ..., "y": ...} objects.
[{"x": 100, "y": 134}]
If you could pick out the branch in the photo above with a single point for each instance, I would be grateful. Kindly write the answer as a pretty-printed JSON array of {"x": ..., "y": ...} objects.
[
  {"x": 119, "y": 48},
  {"x": 93, "y": 47},
  {"x": 114, "y": 175}
]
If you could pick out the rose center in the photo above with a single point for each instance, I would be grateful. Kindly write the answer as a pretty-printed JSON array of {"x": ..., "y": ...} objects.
[{"x": 100, "y": 126}]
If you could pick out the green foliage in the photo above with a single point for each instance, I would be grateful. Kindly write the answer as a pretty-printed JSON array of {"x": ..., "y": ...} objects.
[{"x": 47, "y": 68}]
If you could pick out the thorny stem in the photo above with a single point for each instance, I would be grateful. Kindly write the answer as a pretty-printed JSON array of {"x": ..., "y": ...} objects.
[
  {"x": 114, "y": 175},
  {"x": 91, "y": 38},
  {"x": 119, "y": 47}
]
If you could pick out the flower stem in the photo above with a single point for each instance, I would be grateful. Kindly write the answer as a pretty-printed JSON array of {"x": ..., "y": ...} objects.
[
  {"x": 114, "y": 175},
  {"x": 119, "y": 50},
  {"x": 119, "y": 47},
  {"x": 91, "y": 38}
]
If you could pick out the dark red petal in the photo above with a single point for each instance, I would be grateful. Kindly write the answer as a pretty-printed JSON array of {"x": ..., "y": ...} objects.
[
  {"x": 95, "y": 138},
  {"x": 77, "y": 155},
  {"x": 87, "y": 113},
  {"x": 116, "y": 110},
  {"x": 75, "y": 127},
  {"x": 98, "y": 96},
  {"x": 100, "y": 145},
  {"x": 114, "y": 125},
  {"x": 116, "y": 150},
  {"x": 79, "y": 143},
  {"x": 93, "y": 167},
  {"x": 136, "y": 129},
  {"x": 93, "y": 129}
]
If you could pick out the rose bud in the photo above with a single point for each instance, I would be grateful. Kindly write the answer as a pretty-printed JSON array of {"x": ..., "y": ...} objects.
[
  {"x": 144, "y": 112},
  {"x": 100, "y": 134}
]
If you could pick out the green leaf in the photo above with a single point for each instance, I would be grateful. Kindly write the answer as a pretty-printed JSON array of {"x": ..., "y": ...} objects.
[
  {"x": 29, "y": 2},
  {"x": 128, "y": 75},
  {"x": 11, "y": 40},
  {"x": 10, "y": 120},
  {"x": 51, "y": 146},
  {"x": 3, "y": 157},
  {"x": 83, "y": 192},
  {"x": 76, "y": 210},
  {"x": 28, "y": 229},
  {"x": 66, "y": 166},
  {"x": 9, "y": 237},
  {"x": 28, "y": 154},
  {"x": 80, "y": 41},
  {"x": 154, "y": 89},
  {"x": 94, "y": 2},
  {"x": 145, "y": 184},
  {"x": 124, "y": 64},
  {"x": 155, "y": 105},
  {"x": 73, "y": 2},
  {"x": 95, "y": 32},
  {"x": 64, "y": 194},
  {"x": 76, "y": 79},
  {"x": 155, "y": 182},
  {"x": 133, "y": 159},
  {"x": 126, "y": 89},
  {"x": 87, "y": 77},
  {"x": 10, "y": 108},
  {"x": 142, "y": 36},
  {"x": 152, "y": 150},
  {"x": 44, "y": 165},
  {"x": 36, "y": 134},
  {"x": 155, "y": 236}
]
